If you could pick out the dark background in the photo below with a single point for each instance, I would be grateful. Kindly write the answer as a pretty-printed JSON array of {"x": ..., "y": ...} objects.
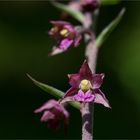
[{"x": 24, "y": 48}]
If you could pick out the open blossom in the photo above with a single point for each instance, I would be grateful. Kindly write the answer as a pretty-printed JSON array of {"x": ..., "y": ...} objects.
[
  {"x": 53, "y": 113},
  {"x": 65, "y": 35},
  {"x": 86, "y": 87}
]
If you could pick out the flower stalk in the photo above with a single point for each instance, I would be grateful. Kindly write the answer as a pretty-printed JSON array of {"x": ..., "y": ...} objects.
[{"x": 87, "y": 110}]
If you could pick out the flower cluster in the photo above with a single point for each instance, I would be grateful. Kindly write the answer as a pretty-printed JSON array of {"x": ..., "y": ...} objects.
[
  {"x": 85, "y": 89},
  {"x": 85, "y": 85}
]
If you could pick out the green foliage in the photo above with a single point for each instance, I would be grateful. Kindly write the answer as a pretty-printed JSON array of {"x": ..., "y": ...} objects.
[
  {"x": 53, "y": 91},
  {"x": 74, "y": 13},
  {"x": 49, "y": 89},
  {"x": 107, "y": 30},
  {"x": 110, "y": 2}
]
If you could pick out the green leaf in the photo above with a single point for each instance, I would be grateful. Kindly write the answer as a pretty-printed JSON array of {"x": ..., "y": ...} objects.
[
  {"x": 49, "y": 89},
  {"x": 106, "y": 32},
  {"x": 74, "y": 13},
  {"x": 53, "y": 91},
  {"x": 110, "y": 2}
]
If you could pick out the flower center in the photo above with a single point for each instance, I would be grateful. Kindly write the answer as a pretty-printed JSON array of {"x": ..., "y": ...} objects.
[
  {"x": 64, "y": 32},
  {"x": 85, "y": 85}
]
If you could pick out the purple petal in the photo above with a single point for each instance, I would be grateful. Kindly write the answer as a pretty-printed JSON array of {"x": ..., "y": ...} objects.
[
  {"x": 77, "y": 40},
  {"x": 84, "y": 97},
  {"x": 65, "y": 44},
  {"x": 54, "y": 113},
  {"x": 72, "y": 91},
  {"x": 81, "y": 94},
  {"x": 91, "y": 99},
  {"x": 85, "y": 72},
  {"x": 70, "y": 28},
  {"x": 80, "y": 97},
  {"x": 74, "y": 80},
  {"x": 89, "y": 96},
  {"x": 47, "y": 115},
  {"x": 97, "y": 80},
  {"x": 48, "y": 105},
  {"x": 55, "y": 51},
  {"x": 66, "y": 114},
  {"x": 59, "y": 23},
  {"x": 100, "y": 98}
]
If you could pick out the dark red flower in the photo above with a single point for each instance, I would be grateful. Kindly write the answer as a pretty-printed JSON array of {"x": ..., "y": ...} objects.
[
  {"x": 65, "y": 35},
  {"x": 53, "y": 113},
  {"x": 85, "y": 87},
  {"x": 89, "y": 5},
  {"x": 84, "y": 5}
]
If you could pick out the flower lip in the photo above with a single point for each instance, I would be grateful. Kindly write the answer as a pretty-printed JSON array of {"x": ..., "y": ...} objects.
[{"x": 84, "y": 96}]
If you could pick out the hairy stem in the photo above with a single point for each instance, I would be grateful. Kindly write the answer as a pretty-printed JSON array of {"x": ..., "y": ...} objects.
[
  {"x": 91, "y": 54},
  {"x": 87, "y": 109},
  {"x": 87, "y": 121}
]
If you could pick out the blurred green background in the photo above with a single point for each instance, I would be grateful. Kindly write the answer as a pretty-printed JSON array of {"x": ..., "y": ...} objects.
[{"x": 24, "y": 48}]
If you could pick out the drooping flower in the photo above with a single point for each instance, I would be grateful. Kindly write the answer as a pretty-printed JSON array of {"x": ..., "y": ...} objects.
[
  {"x": 65, "y": 35},
  {"x": 85, "y": 87},
  {"x": 89, "y": 5},
  {"x": 53, "y": 113},
  {"x": 84, "y": 5}
]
